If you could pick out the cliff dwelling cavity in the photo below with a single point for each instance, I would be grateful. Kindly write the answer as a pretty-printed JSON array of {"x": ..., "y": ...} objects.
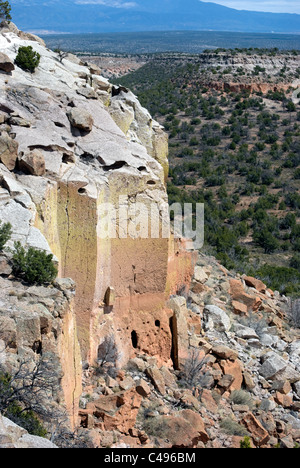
[
  {"x": 174, "y": 347},
  {"x": 134, "y": 339}
]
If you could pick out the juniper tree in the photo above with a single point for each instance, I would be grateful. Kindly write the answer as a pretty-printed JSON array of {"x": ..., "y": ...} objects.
[{"x": 5, "y": 10}]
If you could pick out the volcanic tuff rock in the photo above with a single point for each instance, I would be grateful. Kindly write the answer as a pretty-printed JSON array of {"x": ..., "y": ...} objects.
[
  {"x": 228, "y": 383},
  {"x": 70, "y": 143},
  {"x": 13, "y": 436}
]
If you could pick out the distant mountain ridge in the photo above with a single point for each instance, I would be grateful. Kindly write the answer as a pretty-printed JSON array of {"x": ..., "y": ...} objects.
[{"x": 157, "y": 15}]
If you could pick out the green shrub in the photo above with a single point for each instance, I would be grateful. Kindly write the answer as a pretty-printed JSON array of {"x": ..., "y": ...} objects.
[
  {"x": 295, "y": 262},
  {"x": 26, "y": 419},
  {"x": 283, "y": 279},
  {"x": 241, "y": 397},
  {"x": 5, "y": 234},
  {"x": 27, "y": 59},
  {"x": 32, "y": 265},
  {"x": 232, "y": 427},
  {"x": 266, "y": 240},
  {"x": 246, "y": 443}
]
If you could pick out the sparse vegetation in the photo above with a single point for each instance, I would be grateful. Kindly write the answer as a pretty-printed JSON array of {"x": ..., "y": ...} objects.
[
  {"x": 24, "y": 394},
  {"x": 5, "y": 234},
  {"x": 231, "y": 427},
  {"x": 108, "y": 355},
  {"x": 27, "y": 59},
  {"x": 32, "y": 265},
  {"x": 193, "y": 374},
  {"x": 246, "y": 443},
  {"x": 241, "y": 397}
]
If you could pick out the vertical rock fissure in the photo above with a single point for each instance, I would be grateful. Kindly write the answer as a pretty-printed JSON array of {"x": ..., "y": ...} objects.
[{"x": 64, "y": 266}]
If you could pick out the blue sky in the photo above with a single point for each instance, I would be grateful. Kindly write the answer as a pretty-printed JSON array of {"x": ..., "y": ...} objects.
[{"x": 276, "y": 6}]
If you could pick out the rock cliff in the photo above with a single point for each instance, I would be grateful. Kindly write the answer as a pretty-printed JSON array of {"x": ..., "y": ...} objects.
[{"x": 71, "y": 142}]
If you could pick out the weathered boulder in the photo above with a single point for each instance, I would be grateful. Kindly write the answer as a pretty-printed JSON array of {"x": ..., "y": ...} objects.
[
  {"x": 197, "y": 422},
  {"x": 255, "y": 283},
  {"x": 116, "y": 412},
  {"x": 157, "y": 379},
  {"x": 33, "y": 163},
  {"x": 8, "y": 332},
  {"x": 5, "y": 267},
  {"x": 239, "y": 308},
  {"x": 8, "y": 151},
  {"x": 143, "y": 388},
  {"x": 216, "y": 318},
  {"x": 181, "y": 431},
  {"x": 246, "y": 333},
  {"x": 81, "y": 119},
  {"x": 224, "y": 352},
  {"x": 258, "y": 433},
  {"x": 239, "y": 295},
  {"x": 272, "y": 366},
  {"x": 6, "y": 63},
  {"x": 234, "y": 370},
  {"x": 94, "y": 69},
  {"x": 200, "y": 275}
]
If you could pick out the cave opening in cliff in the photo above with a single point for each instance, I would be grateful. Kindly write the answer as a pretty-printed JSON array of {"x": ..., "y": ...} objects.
[
  {"x": 157, "y": 323},
  {"x": 134, "y": 339}
]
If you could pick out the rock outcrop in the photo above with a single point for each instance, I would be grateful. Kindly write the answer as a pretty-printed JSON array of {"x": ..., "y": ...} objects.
[
  {"x": 70, "y": 144},
  {"x": 15, "y": 437}
]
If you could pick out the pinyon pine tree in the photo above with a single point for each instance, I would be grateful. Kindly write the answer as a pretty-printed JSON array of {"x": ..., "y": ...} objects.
[{"x": 5, "y": 10}]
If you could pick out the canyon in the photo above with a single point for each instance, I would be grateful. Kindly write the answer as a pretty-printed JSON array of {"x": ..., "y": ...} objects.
[{"x": 126, "y": 315}]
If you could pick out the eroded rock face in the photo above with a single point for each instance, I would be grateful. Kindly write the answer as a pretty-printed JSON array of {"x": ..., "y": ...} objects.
[
  {"x": 79, "y": 143},
  {"x": 13, "y": 436},
  {"x": 40, "y": 321}
]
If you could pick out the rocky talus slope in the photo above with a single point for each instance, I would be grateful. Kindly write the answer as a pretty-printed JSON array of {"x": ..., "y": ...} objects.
[
  {"x": 238, "y": 374},
  {"x": 153, "y": 345}
]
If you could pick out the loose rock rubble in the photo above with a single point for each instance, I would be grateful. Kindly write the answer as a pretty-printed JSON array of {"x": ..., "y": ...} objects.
[{"x": 247, "y": 382}]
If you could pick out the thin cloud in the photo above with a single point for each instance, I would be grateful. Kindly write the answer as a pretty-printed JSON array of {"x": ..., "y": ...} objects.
[{"x": 108, "y": 3}]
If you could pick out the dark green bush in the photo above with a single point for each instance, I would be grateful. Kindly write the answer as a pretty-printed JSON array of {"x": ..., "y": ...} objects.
[
  {"x": 27, "y": 59},
  {"x": 5, "y": 234},
  {"x": 266, "y": 240},
  {"x": 32, "y": 265},
  {"x": 295, "y": 262},
  {"x": 285, "y": 280},
  {"x": 246, "y": 443},
  {"x": 26, "y": 419}
]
